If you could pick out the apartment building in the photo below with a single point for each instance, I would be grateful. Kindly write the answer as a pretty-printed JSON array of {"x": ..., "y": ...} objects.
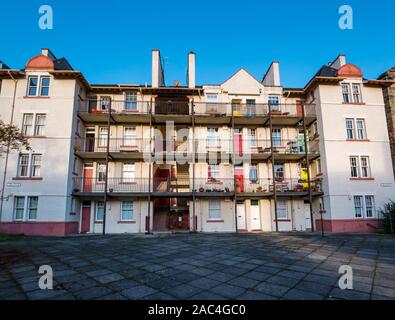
[
  {"x": 389, "y": 99},
  {"x": 244, "y": 155}
]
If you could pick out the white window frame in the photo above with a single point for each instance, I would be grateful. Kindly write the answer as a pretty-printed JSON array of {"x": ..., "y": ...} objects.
[
  {"x": 256, "y": 170},
  {"x": 361, "y": 132},
  {"x": 28, "y": 126},
  {"x": 274, "y": 103},
  {"x": 39, "y": 86},
  {"x": 101, "y": 172},
  {"x": 129, "y": 139},
  {"x": 123, "y": 210},
  {"x": 354, "y": 163},
  {"x": 360, "y": 206},
  {"x": 130, "y": 101},
  {"x": 42, "y": 86},
  {"x": 213, "y": 171},
  {"x": 105, "y": 103},
  {"x": 365, "y": 166},
  {"x": 251, "y": 138},
  {"x": 356, "y": 93},
  {"x": 39, "y": 127},
  {"x": 276, "y": 137},
  {"x": 128, "y": 172},
  {"x": 370, "y": 206},
  {"x": 213, "y": 138},
  {"x": 214, "y": 209},
  {"x": 26, "y": 208},
  {"x": 97, "y": 206},
  {"x": 30, "y": 165},
  {"x": 103, "y": 136},
  {"x": 346, "y": 93},
  {"x": 350, "y": 130},
  {"x": 282, "y": 210}
]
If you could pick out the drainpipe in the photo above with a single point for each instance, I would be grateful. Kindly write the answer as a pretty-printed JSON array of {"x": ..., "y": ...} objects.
[{"x": 8, "y": 145}]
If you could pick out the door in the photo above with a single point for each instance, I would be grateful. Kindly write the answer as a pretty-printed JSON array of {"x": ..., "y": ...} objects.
[
  {"x": 255, "y": 216},
  {"x": 238, "y": 141},
  {"x": 88, "y": 174},
  {"x": 241, "y": 217},
  {"x": 86, "y": 217},
  {"x": 307, "y": 216},
  {"x": 239, "y": 179},
  {"x": 299, "y": 112}
]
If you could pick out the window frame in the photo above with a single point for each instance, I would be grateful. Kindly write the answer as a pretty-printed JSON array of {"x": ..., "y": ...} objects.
[
  {"x": 39, "y": 126},
  {"x": 350, "y": 129},
  {"x": 253, "y": 168},
  {"x": 366, "y": 167},
  {"x": 29, "y": 208},
  {"x": 346, "y": 94},
  {"x": 130, "y": 104},
  {"x": 371, "y": 206},
  {"x": 132, "y": 172},
  {"x": 356, "y": 95},
  {"x": 29, "y": 86},
  {"x": 26, "y": 208},
  {"x": 126, "y": 210},
  {"x": 129, "y": 137},
  {"x": 97, "y": 207},
  {"x": 213, "y": 174},
  {"x": 360, "y": 130},
  {"x": 283, "y": 210},
  {"x": 44, "y": 86},
  {"x": 360, "y": 207},
  {"x": 102, "y": 142},
  {"x": 357, "y": 166},
  {"x": 214, "y": 210},
  {"x": 27, "y": 125}
]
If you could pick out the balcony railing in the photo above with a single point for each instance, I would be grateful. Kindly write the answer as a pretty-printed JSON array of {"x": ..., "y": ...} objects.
[
  {"x": 197, "y": 108},
  {"x": 244, "y": 146},
  {"x": 200, "y": 185}
]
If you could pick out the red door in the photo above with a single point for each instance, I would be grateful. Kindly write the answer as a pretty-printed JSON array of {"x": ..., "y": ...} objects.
[
  {"x": 86, "y": 219},
  {"x": 299, "y": 112},
  {"x": 88, "y": 174},
  {"x": 239, "y": 179},
  {"x": 238, "y": 137}
]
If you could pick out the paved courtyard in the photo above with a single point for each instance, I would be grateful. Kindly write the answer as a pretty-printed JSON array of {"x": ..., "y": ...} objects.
[{"x": 199, "y": 266}]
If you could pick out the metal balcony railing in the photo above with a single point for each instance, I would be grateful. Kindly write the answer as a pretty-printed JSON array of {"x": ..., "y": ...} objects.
[
  {"x": 102, "y": 106},
  {"x": 201, "y": 185},
  {"x": 127, "y": 144}
]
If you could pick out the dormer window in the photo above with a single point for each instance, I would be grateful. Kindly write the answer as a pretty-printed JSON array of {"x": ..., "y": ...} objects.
[{"x": 38, "y": 86}]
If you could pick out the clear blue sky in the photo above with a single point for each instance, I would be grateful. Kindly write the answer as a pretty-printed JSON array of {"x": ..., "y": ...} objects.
[{"x": 111, "y": 41}]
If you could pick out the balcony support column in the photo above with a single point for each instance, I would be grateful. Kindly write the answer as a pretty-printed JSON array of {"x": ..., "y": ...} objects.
[
  {"x": 194, "y": 220},
  {"x": 233, "y": 166},
  {"x": 273, "y": 171},
  {"x": 106, "y": 179},
  {"x": 148, "y": 227},
  {"x": 306, "y": 156}
]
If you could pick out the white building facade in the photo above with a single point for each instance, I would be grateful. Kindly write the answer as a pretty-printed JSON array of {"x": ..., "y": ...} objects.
[{"x": 245, "y": 155}]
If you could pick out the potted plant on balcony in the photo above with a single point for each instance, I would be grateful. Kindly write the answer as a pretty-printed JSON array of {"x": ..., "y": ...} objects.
[
  {"x": 259, "y": 189},
  {"x": 77, "y": 148},
  {"x": 201, "y": 189},
  {"x": 111, "y": 190},
  {"x": 76, "y": 190}
]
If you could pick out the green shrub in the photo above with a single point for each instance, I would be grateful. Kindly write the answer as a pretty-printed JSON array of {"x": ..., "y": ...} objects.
[{"x": 388, "y": 213}]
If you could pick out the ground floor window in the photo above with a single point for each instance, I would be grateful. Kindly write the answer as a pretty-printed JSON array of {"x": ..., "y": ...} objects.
[
  {"x": 364, "y": 208},
  {"x": 99, "y": 211},
  {"x": 282, "y": 209},
  {"x": 25, "y": 208},
  {"x": 358, "y": 206},
  {"x": 214, "y": 209},
  {"x": 127, "y": 210}
]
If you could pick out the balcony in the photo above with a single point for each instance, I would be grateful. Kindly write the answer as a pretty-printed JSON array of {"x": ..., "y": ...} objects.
[
  {"x": 204, "y": 187},
  {"x": 205, "y": 112}
]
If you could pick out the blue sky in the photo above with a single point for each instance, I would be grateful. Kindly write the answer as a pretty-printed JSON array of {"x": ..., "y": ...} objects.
[{"x": 111, "y": 42}]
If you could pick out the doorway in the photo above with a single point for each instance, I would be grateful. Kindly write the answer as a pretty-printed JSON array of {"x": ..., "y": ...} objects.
[
  {"x": 255, "y": 216},
  {"x": 307, "y": 215},
  {"x": 241, "y": 217},
  {"x": 86, "y": 217}
]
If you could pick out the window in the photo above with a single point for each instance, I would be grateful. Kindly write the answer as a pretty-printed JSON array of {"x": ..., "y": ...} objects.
[
  {"x": 213, "y": 171},
  {"x": 32, "y": 203},
  {"x": 99, "y": 211},
  {"x": 346, "y": 93},
  {"x": 251, "y": 107},
  {"x": 44, "y": 86},
  {"x": 279, "y": 171},
  {"x": 358, "y": 207},
  {"x": 25, "y": 208},
  {"x": 27, "y": 125},
  {"x": 31, "y": 127},
  {"x": 274, "y": 103},
  {"x": 23, "y": 165},
  {"x": 361, "y": 131},
  {"x": 131, "y": 101},
  {"x": 103, "y": 136},
  {"x": 33, "y": 89},
  {"x": 354, "y": 167},
  {"x": 214, "y": 209},
  {"x": 128, "y": 172},
  {"x": 282, "y": 209},
  {"x": 211, "y": 97},
  {"x": 251, "y": 138},
  {"x": 19, "y": 208},
  {"x": 213, "y": 137},
  {"x": 253, "y": 174},
  {"x": 39, "y": 125},
  {"x": 365, "y": 168},
  {"x": 101, "y": 172},
  {"x": 29, "y": 165},
  {"x": 350, "y": 129},
  {"x": 32, "y": 86},
  {"x": 105, "y": 103},
  {"x": 36, "y": 165},
  {"x": 319, "y": 168},
  {"x": 356, "y": 93},
  {"x": 369, "y": 205},
  {"x": 129, "y": 136},
  {"x": 276, "y": 137},
  {"x": 127, "y": 210}
]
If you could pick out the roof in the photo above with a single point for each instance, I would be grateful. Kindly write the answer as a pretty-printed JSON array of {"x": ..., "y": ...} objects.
[
  {"x": 62, "y": 64},
  {"x": 326, "y": 71},
  {"x": 3, "y": 66}
]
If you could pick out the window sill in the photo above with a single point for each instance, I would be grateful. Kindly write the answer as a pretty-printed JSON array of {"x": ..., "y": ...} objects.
[
  {"x": 35, "y": 137},
  {"x": 26, "y": 179},
  {"x": 354, "y": 103},
  {"x": 215, "y": 221},
  {"x": 126, "y": 222},
  {"x": 98, "y": 222},
  {"x": 361, "y": 179},
  {"x": 282, "y": 220},
  {"x": 36, "y": 97},
  {"x": 358, "y": 140}
]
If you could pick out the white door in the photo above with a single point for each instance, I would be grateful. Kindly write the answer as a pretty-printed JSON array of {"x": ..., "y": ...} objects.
[
  {"x": 307, "y": 216},
  {"x": 255, "y": 218},
  {"x": 241, "y": 217}
]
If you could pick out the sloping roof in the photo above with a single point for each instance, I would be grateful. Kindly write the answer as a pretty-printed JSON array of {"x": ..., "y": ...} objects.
[
  {"x": 3, "y": 66},
  {"x": 326, "y": 71},
  {"x": 62, "y": 64}
]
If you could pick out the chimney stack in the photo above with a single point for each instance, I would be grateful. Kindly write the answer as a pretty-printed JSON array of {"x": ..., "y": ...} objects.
[
  {"x": 46, "y": 52},
  {"x": 272, "y": 76},
  {"x": 339, "y": 62},
  {"x": 191, "y": 70},
  {"x": 157, "y": 70}
]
